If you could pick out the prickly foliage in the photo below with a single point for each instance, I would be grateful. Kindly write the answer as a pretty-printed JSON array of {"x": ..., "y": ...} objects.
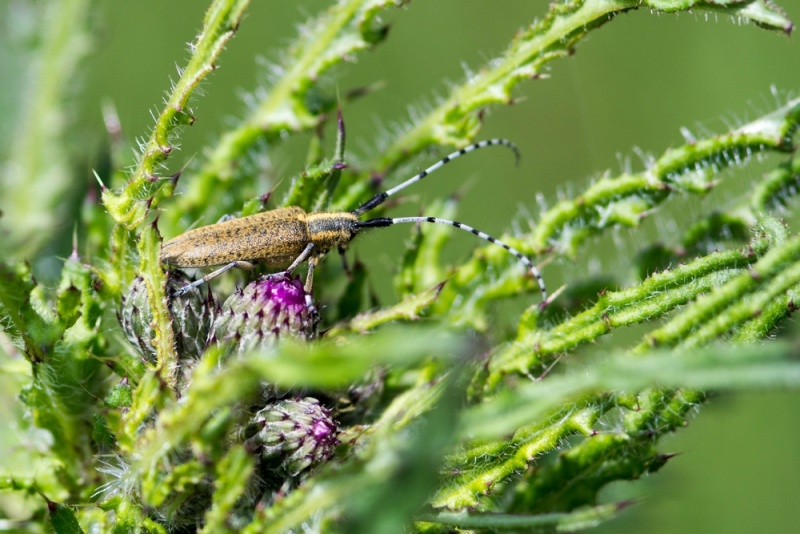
[{"x": 158, "y": 413}]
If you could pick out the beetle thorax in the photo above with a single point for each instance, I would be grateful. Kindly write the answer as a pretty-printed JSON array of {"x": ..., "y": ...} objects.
[{"x": 332, "y": 230}]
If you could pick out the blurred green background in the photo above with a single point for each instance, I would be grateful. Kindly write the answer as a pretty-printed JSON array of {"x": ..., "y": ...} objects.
[{"x": 634, "y": 83}]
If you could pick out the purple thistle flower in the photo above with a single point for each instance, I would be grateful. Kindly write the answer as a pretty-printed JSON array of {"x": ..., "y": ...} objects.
[
  {"x": 274, "y": 306},
  {"x": 293, "y": 435}
]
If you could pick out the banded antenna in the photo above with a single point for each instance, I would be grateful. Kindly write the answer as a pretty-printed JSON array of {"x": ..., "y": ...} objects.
[{"x": 380, "y": 198}]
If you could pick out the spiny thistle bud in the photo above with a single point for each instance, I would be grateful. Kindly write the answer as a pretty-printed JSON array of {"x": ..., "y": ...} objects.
[
  {"x": 271, "y": 307},
  {"x": 292, "y": 435},
  {"x": 136, "y": 319},
  {"x": 191, "y": 318}
]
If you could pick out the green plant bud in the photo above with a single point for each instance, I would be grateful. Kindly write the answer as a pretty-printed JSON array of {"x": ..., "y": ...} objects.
[
  {"x": 292, "y": 435},
  {"x": 265, "y": 310},
  {"x": 136, "y": 318},
  {"x": 192, "y": 317}
]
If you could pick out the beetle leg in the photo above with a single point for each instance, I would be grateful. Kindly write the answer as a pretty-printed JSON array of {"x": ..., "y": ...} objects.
[
  {"x": 246, "y": 265},
  {"x": 300, "y": 259},
  {"x": 310, "y": 275},
  {"x": 312, "y": 262},
  {"x": 345, "y": 265}
]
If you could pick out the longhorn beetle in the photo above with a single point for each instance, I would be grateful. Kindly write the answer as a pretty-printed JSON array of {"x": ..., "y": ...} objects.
[{"x": 290, "y": 236}]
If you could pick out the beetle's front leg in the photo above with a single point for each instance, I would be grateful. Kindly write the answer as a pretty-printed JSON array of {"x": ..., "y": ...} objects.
[
  {"x": 246, "y": 265},
  {"x": 300, "y": 259}
]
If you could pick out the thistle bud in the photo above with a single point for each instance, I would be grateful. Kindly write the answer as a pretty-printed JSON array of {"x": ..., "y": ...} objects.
[
  {"x": 272, "y": 307},
  {"x": 191, "y": 318},
  {"x": 136, "y": 320},
  {"x": 292, "y": 435}
]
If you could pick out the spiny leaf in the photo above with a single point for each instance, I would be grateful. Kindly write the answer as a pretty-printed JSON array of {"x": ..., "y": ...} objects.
[
  {"x": 344, "y": 30},
  {"x": 455, "y": 120},
  {"x": 408, "y": 309},
  {"x": 691, "y": 168},
  {"x": 145, "y": 189},
  {"x": 574, "y": 521}
]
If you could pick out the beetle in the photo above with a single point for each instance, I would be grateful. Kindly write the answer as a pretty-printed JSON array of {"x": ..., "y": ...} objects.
[{"x": 291, "y": 236}]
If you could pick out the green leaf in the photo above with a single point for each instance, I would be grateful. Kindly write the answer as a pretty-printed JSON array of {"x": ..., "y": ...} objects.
[
  {"x": 455, "y": 120},
  {"x": 63, "y": 519},
  {"x": 577, "y": 520},
  {"x": 346, "y": 29},
  {"x": 145, "y": 188},
  {"x": 233, "y": 474}
]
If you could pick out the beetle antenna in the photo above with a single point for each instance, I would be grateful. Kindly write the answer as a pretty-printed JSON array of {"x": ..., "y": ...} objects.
[
  {"x": 380, "y": 198},
  {"x": 381, "y": 222}
]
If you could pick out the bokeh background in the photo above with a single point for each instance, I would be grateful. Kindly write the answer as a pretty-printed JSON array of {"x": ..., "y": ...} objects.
[{"x": 628, "y": 90}]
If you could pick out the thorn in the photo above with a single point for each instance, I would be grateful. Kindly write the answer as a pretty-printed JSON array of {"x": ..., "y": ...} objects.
[
  {"x": 178, "y": 174},
  {"x": 341, "y": 135},
  {"x": 52, "y": 506},
  {"x": 365, "y": 90},
  {"x": 99, "y": 181},
  {"x": 621, "y": 505},
  {"x": 549, "y": 368},
  {"x": 438, "y": 287},
  {"x": 74, "y": 256},
  {"x": 557, "y": 293}
]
